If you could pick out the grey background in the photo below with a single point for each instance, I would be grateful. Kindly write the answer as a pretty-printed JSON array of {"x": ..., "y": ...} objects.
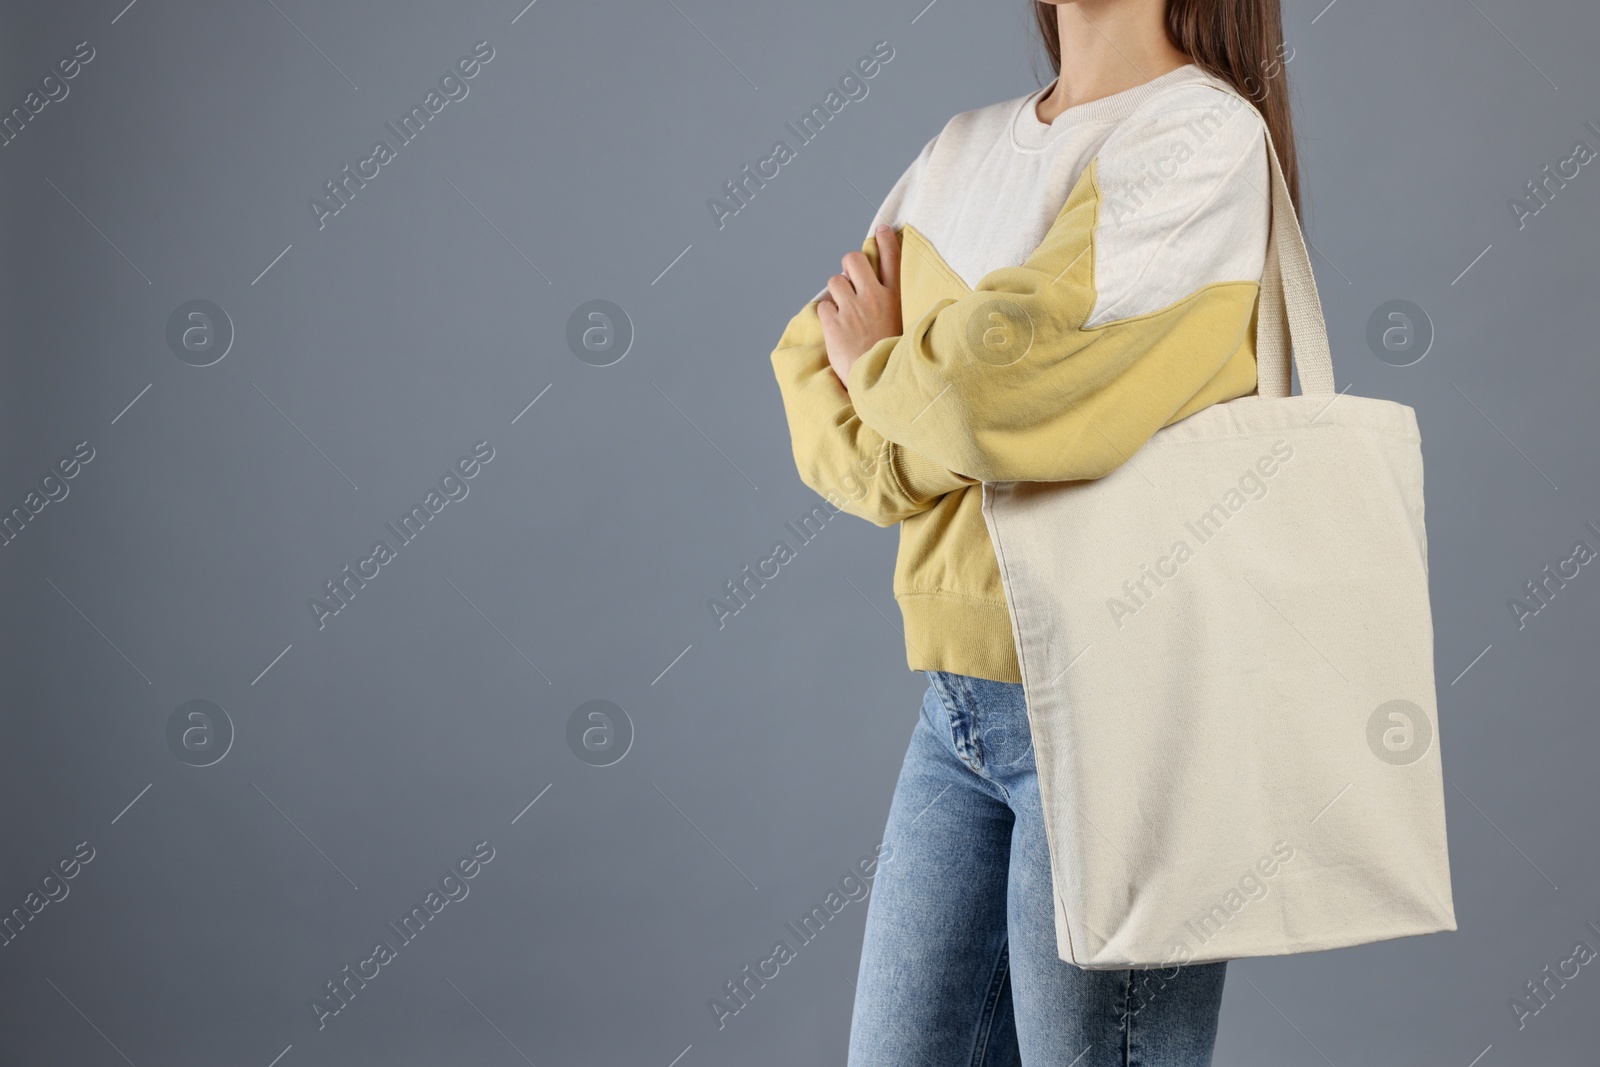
[{"x": 426, "y": 716}]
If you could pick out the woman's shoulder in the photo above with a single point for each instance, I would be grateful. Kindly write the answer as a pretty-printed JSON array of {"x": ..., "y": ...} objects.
[
  {"x": 982, "y": 124},
  {"x": 1201, "y": 115},
  {"x": 1183, "y": 186},
  {"x": 1188, "y": 147}
]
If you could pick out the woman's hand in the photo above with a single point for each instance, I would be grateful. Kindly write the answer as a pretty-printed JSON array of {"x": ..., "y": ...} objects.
[{"x": 861, "y": 309}]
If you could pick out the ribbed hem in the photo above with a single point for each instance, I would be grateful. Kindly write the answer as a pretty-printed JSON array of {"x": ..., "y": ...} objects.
[{"x": 959, "y": 635}]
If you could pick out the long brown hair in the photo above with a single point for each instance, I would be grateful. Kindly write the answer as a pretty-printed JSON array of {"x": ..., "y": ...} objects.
[{"x": 1239, "y": 41}]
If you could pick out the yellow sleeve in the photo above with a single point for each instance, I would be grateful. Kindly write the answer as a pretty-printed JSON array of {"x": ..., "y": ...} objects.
[
  {"x": 1007, "y": 383},
  {"x": 838, "y": 455}
]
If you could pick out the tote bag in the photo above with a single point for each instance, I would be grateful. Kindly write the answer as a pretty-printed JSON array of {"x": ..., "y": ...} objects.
[{"x": 1227, "y": 655}]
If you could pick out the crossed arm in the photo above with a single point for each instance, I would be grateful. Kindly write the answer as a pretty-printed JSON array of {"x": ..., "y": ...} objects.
[
  {"x": 1034, "y": 374},
  {"x": 848, "y": 462}
]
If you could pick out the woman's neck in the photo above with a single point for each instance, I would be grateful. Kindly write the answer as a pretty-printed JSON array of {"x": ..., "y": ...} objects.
[{"x": 1107, "y": 47}]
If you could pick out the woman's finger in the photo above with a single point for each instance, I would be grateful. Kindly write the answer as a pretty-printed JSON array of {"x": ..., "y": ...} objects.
[
  {"x": 841, "y": 289},
  {"x": 888, "y": 256},
  {"x": 858, "y": 268}
]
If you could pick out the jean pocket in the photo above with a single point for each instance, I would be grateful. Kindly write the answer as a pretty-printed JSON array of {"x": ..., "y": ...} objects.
[{"x": 997, "y": 718}]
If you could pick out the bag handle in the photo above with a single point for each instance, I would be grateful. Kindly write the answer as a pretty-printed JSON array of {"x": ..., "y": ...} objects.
[{"x": 1290, "y": 312}]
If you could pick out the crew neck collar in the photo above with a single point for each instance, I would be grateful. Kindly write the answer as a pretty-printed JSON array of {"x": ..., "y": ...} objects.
[{"x": 1031, "y": 135}]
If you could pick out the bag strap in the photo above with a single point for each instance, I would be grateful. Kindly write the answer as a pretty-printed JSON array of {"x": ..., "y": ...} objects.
[{"x": 1290, "y": 312}]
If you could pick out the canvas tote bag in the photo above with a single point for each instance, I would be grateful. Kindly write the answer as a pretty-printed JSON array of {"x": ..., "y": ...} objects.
[{"x": 1227, "y": 655}]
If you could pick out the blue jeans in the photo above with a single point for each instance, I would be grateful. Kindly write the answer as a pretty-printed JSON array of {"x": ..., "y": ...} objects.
[{"x": 959, "y": 965}]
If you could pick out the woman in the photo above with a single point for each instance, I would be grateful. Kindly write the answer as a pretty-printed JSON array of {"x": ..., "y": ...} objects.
[{"x": 1054, "y": 279}]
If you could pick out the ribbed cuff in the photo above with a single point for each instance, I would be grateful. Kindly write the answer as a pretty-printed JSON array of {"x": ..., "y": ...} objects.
[{"x": 922, "y": 478}]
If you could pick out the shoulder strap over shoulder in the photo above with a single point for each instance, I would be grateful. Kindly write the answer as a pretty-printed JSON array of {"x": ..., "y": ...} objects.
[{"x": 1290, "y": 313}]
